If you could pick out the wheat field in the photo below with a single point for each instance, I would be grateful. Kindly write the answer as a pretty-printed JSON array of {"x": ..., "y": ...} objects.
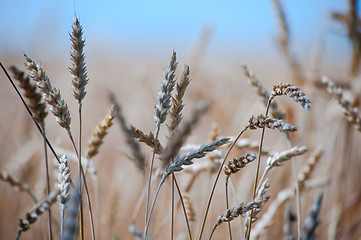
[{"x": 179, "y": 146}]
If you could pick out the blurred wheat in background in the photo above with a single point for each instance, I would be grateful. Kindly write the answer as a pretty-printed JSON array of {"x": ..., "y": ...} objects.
[{"x": 200, "y": 147}]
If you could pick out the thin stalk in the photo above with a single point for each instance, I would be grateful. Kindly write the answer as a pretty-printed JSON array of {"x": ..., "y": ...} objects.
[
  {"x": 227, "y": 206},
  {"x": 62, "y": 221},
  {"x": 298, "y": 199},
  {"x": 80, "y": 184},
  {"x": 47, "y": 178},
  {"x": 138, "y": 205},
  {"x": 150, "y": 177},
  {"x": 172, "y": 207},
  {"x": 248, "y": 234},
  {"x": 151, "y": 208},
  {"x": 86, "y": 189},
  {"x": 215, "y": 182},
  {"x": 183, "y": 206}
]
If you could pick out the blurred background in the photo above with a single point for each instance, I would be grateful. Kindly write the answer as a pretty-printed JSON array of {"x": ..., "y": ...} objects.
[
  {"x": 236, "y": 31},
  {"x": 128, "y": 47}
]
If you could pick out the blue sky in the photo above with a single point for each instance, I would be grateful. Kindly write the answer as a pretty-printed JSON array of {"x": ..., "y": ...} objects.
[{"x": 152, "y": 25}]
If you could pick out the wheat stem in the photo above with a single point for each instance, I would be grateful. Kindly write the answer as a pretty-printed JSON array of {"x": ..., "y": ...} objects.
[
  {"x": 215, "y": 183},
  {"x": 183, "y": 206},
  {"x": 227, "y": 206},
  {"x": 248, "y": 234},
  {"x": 172, "y": 208}
]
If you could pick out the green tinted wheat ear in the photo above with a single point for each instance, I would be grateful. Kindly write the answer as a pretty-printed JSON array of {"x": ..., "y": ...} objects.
[
  {"x": 51, "y": 95},
  {"x": 291, "y": 91},
  {"x": 36, "y": 104},
  {"x": 78, "y": 68}
]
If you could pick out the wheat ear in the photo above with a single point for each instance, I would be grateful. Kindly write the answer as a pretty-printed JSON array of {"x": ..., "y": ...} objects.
[
  {"x": 134, "y": 145},
  {"x": 186, "y": 159},
  {"x": 237, "y": 163},
  {"x": 262, "y": 92},
  {"x": 37, "y": 210},
  {"x": 306, "y": 171},
  {"x": 70, "y": 225},
  {"x": 233, "y": 167},
  {"x": 293, "y": 92},
  {"x": 290, "y": 218},
  {"x": 51, "y": 95},
  {"x": 13, "y": 181},
  {"x": 78, "y": 68},
  {"x": 100, "y": 131},
  {"x": 148, "y": 139},
  {"x": 64, "y": 186},
  {"x": 352, "y": 113},
  {"x": 311, "y": 222},
  {"x": 262, "y": 121},
  {"x": 36, "y": 105},
  {"x": 175, "y": 112},
  {"x": 278, "y": 158},
  {"x": 178, "y": 138},
  {"x": 262, "y": 199}
]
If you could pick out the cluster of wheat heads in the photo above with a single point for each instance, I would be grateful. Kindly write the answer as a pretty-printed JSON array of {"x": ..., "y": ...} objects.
[{"x": 169, "y": 161}]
